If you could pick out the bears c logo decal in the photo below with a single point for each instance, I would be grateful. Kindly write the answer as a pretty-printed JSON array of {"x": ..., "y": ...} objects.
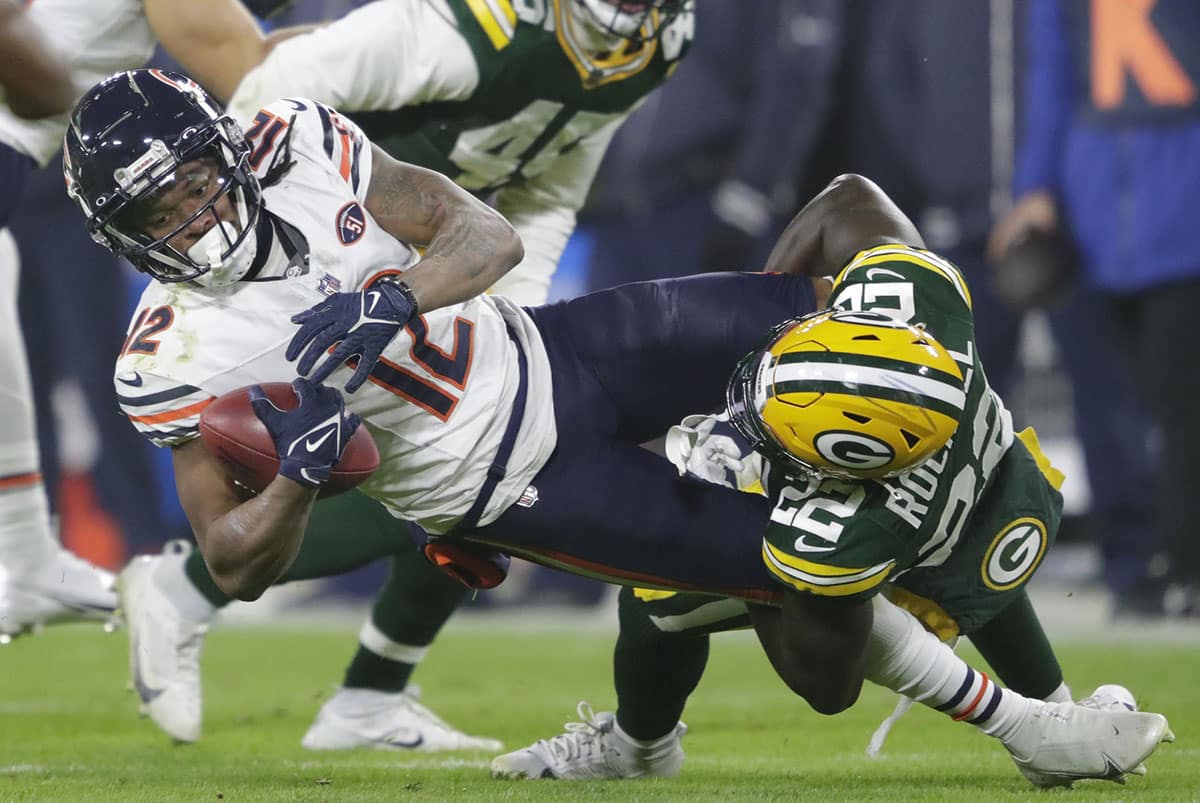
[
  {"x": 1014, "y": 554},
  {"x": 351, "y": 223}
]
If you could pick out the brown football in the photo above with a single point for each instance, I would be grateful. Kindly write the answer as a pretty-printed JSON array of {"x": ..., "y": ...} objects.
[{"x": 234, "y": 435}]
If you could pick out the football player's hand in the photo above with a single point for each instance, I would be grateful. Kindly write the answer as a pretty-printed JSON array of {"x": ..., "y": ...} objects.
[
  {"x": 706, "y": 446},
  {"x": 361, "y": 324},
  {"x": 1034, "y": 211},
  {"x": 311, "y": 437}
]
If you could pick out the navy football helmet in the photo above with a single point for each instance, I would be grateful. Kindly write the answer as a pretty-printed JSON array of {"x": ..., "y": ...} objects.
[
  {"x": 633, "y": 21},
  {"x": 126, "y": 140}
]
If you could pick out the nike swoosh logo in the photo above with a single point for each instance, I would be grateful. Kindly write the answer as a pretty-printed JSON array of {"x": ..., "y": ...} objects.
[
  {"x": 871, "y": 273},
  {"x": 313, "y": 446},
  {"x": 144, "y": 691},
  {"x": 411, "y": 744},
  {"x": 133, "y": 380},
  {"x": 802, "y": 545}
]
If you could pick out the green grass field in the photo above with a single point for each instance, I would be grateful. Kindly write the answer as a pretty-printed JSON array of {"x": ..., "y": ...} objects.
[{"x": 69, "y": 731}]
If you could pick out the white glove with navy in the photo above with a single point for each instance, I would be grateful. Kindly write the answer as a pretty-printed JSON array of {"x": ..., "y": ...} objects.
[{"x": 708, "y": 447}]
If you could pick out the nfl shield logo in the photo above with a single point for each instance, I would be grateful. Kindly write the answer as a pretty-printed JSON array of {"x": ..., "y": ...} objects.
[{"x": 330, "y": 285}]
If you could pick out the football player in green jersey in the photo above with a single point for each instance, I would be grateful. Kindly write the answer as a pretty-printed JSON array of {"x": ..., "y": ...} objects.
[
  {"x": 892, "y": 469},
  {"x": 516, "y": 101}
]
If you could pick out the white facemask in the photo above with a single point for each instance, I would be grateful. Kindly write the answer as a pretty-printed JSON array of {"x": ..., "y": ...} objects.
[{"x": 598, "y": 13}]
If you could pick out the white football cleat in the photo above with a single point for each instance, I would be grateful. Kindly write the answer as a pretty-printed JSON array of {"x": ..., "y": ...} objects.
[
  {"x": 379, "y": 720},
  {"x": 1110, "y": 697},
  {"x": 164, "y": 647},
  {"x": 1098, "y": 737},
  {"x": 593, "y": 749},
  {"x": 65, "y": 588}
]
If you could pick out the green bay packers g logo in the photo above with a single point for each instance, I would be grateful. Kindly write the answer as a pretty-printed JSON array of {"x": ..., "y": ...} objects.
[
  {"x": 853, "y": 450},
  {"x": 1015, "y": 552}
]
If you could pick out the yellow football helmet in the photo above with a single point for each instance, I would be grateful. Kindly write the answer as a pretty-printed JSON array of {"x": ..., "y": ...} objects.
[{"x": 860, "y": 395}]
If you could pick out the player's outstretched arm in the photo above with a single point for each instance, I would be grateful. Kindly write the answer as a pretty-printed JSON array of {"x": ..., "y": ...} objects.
[
  {"x": 35, "y": 80},
  {"x": 818, "y": 646},
  {"x": 468, "y": 244},
  {"x": 249, "y": 543},
  {"x": 850, "y": 214},
  {"x": 244, "y": 541}
]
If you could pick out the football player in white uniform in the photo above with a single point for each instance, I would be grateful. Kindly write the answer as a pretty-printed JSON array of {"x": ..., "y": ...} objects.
[
  {"x": 546, "y": 464},
  {"x": 513, "y": 101},
  {"x": 219, "y": 42}
]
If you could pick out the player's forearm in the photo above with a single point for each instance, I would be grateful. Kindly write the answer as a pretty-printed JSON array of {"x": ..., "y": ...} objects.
[
  {"x": 470, "y": 247},
  {"x": 217, "y": 43},
  {"x": 36, "y": 82},
  {"x": 850, "y": 214},
  {"x": 251, "y": 546}
]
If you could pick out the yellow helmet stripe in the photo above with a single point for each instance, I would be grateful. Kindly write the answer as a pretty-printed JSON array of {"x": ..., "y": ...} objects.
[
  {"x": 902, "y": 253},
  {"x": 834, "y": 581},
  {"x": 807, "y": 375}
]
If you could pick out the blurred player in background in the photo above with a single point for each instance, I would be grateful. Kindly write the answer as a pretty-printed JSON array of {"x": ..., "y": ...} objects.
[
  {"x": 516, "y": 102},
  {"x": 219, "y": 42},
  {"x": 39, "y": 580}
]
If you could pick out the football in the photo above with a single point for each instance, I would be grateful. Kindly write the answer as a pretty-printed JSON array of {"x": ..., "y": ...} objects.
[{"x": 233, "y": 434}]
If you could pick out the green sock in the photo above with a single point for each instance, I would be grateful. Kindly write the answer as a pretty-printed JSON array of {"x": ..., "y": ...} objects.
[
  {"x": 654, "y": 671},
  {"x": 411, "y": 608},
  {"x": 344, "y": 532},
  {"x": 1015, "y": 646}
]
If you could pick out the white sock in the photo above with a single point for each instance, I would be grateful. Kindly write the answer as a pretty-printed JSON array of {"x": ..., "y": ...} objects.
[
  {"x": 908, "y": 659},
  {"x": 378, "y": 642},
  {"x": 171, "y": 579},
  {"x": 1060, "y": 695},
  {"x": 27, "y": 539}
]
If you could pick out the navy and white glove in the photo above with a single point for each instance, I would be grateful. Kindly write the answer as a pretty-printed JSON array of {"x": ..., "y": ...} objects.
[
  {"x": 364, "y": 323},
  {"x": 310, "y": 438}
]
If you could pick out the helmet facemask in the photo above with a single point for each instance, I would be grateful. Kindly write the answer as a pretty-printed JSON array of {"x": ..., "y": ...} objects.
[
  {"x": 631, "y": 21},
  {"x": 136, "y": 148},
  {"x": 120, "y": 220}
]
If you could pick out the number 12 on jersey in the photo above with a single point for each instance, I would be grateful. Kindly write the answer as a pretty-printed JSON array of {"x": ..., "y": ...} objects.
[{"x": 446, "y": 367}]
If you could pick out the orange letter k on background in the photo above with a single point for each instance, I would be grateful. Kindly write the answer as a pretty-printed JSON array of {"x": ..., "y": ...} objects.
[{"x": 1125, "y": 40}]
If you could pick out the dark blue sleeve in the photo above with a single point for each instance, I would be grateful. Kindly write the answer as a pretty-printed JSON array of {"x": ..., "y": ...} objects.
[
  {"x": 798, "y": 47},
  {"x": 1048, "y": 99}
]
